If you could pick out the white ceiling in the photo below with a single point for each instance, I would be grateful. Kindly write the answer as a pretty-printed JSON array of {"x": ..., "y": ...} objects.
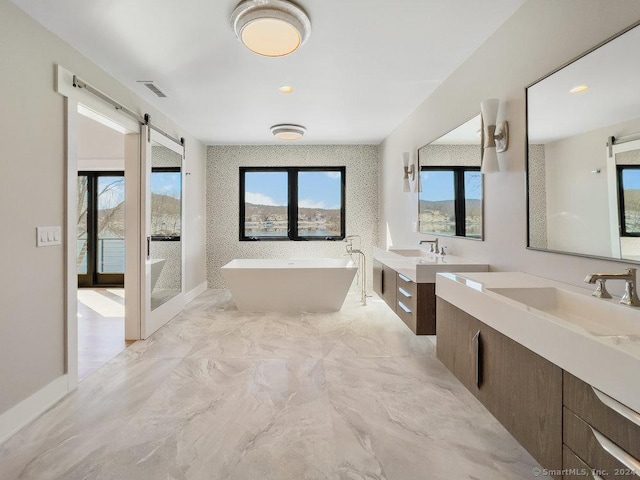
[
  {"x": 367, "y": 65},
  {"x": 611, "y": 72}
]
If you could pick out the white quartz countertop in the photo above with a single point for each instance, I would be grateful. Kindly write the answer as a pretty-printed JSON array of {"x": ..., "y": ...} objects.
[
  {"x": 423, "y": 268},
  {"x": 602, "y": 357}
]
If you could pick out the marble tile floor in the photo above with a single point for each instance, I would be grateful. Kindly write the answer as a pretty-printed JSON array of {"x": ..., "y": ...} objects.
[{"x": 217, "y": 394}]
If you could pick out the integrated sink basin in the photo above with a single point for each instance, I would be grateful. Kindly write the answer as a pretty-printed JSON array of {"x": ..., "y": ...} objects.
[
  {"x": 598, "y": 316},
  {"x": 421, "y": 266},
  {"x": 411, "y": 252}
]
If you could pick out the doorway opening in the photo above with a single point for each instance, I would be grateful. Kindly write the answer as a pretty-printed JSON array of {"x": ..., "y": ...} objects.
[{"x": 101, "y": 241}]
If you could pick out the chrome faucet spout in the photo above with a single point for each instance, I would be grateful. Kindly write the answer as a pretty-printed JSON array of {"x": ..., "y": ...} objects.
[
  {"x": 434, "y": 245},
  {"x": 630, "y": 297}
]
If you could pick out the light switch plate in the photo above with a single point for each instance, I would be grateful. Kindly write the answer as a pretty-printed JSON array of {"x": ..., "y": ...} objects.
[{"x": 48, "y": 236}]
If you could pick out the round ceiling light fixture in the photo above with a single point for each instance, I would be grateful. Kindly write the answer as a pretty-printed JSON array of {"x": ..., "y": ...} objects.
[
  {"x": 272, "y": 28},
  {"x": 288, "y": 132},
  {"x": 579, "y": 89}
]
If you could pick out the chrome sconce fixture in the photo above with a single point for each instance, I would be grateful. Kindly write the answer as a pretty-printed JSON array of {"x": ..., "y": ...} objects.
[
  {"x": 495, "y": 137},
  {"x": 411, "y": 174}
]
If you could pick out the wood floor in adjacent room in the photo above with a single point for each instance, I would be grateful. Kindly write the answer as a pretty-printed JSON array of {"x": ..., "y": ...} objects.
[
  {"x": 219, "y": 394},
  {"x": 100, "y": 328}
]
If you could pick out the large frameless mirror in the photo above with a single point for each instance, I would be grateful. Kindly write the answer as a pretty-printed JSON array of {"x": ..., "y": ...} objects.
[
  {"x": 583, "y": 166},
  {"x": 451, "y": 185},
  {"x": 166, "y": 224}
]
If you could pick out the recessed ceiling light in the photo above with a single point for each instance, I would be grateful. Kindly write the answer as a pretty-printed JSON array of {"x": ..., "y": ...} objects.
[
  {"x": 272, "y": 28},
  {"x": 579, "y": 89},
  {"x": 286, "y": 89},
  {"x": 288, "y": 132}
]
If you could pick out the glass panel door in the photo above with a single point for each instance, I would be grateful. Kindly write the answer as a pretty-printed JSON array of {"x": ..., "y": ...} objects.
[
  {"x": 162, "y": 282},
  {"x": 166, "y": 224},
  {"x": 82, "y": 241},
  {"x": 110, "y": 258},
  {"x": 100, "y": 242}
]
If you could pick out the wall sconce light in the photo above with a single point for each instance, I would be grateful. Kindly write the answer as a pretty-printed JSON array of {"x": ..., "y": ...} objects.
[
  {"x": 409, "y": 172},
  {"x": 495, "y": 137}
]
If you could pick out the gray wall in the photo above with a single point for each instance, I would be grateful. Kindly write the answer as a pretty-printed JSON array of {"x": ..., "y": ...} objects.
[
  {"x": 361, "y": 163},
  {"x": 32, "y": 172},
  {"x": 539, "y": 37}
]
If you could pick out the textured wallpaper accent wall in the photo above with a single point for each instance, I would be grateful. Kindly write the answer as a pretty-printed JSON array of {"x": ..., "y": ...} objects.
[
  {"x": 171, "y": 252},
  {"x": 164, "y": 157},
  {"x": 449, "y": 155},
  {"x": 223, "y": 162},
  {"x": 537, "y": 202}
]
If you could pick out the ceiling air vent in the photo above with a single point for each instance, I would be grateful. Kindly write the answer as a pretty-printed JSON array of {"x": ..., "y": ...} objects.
[{"x": 153, "y": 87}]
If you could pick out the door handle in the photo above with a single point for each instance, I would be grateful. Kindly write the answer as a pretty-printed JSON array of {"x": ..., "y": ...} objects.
[{"x": 149, "y": 247}]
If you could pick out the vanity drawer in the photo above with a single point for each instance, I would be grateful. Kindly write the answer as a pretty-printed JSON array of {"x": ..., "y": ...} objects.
[
  {"x": 605, "y": 457},
  {"x": 407, "y": 284},
  {"x": 406, "y": 314},
  {"x": 406, "y": 297},
  {"x": 573, "y": 467},
  {"x": 609, "y": 417}
]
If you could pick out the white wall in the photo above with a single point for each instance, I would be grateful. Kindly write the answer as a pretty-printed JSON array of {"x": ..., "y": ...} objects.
[
  {"x": 539, "y": 37},
  {"x": 361, "y": 202},
  {"x": 577, "y": 200},
  {"x": 32, "y": 193}
]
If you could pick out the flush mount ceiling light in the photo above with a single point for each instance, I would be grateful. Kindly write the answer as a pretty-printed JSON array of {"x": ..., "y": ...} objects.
[
  {"x": 272, "y": 28},
  {"x": 288, "y": 132},
  {"x": 286, "y": 89},
  {"x": 579, "y": 89}
]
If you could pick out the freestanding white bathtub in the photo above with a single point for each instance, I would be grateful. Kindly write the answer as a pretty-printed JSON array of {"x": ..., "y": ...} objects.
[{"x": 280, "y": 285}]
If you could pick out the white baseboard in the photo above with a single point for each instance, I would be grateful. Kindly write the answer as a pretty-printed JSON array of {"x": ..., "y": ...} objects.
[
  {"x": 24, "y": 412},
  {"x": 191, "y": 295}
]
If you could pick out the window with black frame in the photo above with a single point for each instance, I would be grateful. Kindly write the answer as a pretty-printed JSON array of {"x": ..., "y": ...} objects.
[
  {"x": 292, "y": 203},
  {"x": 629, "y": 200},
  {"x": 166, "y": 204},
  {"x": 450, "y": 202}
]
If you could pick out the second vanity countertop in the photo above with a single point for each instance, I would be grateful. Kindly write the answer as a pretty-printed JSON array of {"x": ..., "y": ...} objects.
[
  {"x": 602, "y": 352},
  {"x": 423, "y": 268}
]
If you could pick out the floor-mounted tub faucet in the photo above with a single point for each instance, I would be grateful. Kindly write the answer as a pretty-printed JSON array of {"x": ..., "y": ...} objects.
[
  {"x": 363, "y": 272},
  {"x": 630, "y": 296}
]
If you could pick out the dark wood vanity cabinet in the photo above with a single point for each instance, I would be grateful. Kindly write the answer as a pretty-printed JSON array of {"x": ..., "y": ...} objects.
[
  {"x": 520, "y": 388},
  {"x": 414, "y": 303},
  {"x": 602, "y": 433},
  {"x": 384, "y": 283}
]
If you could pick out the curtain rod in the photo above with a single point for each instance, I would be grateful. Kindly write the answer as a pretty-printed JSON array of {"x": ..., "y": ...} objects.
[{"x": 145, "y": 120}]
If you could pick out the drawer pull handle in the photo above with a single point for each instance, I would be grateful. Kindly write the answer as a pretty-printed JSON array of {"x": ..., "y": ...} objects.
[
  {"x": 404, "y": 292},
  {"x": 617, "y": 407},
  {"x": 406, "y": 279},
  {"x": 616, "y": 452},
  {"x": 476, "y": 358},
  {"x": 404, "y": 307},
  {"x": 596, "y": 476}
]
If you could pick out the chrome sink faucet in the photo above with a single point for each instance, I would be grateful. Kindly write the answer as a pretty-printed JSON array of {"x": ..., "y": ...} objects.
[
  {"x": 434, "y": 245},
  {"x": 630, "y": 296}
]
